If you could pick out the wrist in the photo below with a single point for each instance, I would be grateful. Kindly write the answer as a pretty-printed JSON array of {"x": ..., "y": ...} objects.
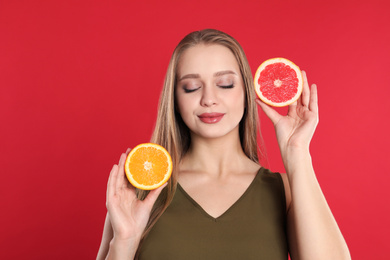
[
  {"x": 296, "y": 159},
  {"x": 123, "y": 248}
]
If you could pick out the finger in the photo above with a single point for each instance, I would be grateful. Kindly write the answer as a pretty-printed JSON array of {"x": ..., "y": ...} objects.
[
  {"x": 305, "y": 97},
  {"x": 127, "y": 181},
  {"x": 120, "y": 183},
  {"x": 292, "y": 108},
  {"x": 153, "y": 195},
  {"x": 270, "y": 112},
  {"x": 111, "y": 181},
  {"x": 313, "y": 106}
]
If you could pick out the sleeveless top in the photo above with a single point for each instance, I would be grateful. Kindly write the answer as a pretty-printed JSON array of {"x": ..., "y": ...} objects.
[{"x": 254, "y": 227}]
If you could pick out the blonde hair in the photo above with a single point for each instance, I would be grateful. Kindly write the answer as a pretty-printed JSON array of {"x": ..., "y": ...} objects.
[{"x": 170, "y": 130}]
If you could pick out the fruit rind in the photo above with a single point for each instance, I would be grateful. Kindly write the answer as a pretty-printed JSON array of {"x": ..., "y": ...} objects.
[
  {"x": 272, "y": 61},
  {"x": 149, "y": 187}
]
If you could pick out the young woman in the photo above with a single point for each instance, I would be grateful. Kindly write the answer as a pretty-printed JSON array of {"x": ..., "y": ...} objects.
[{"x": 220, "y": 203}]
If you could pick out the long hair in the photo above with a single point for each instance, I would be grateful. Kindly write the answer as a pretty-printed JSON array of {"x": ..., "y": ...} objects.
[{"x": 170, "y": 130}]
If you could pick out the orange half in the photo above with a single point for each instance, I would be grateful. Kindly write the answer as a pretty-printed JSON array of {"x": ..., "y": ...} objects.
[{"x": 148, "y": 166}]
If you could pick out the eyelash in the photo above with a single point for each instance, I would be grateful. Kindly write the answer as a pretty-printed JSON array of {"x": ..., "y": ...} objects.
[
  {"x": 192, "y": 90},
  {"x": 189, "y": 90},
  {"x": 228, "y": 86}
]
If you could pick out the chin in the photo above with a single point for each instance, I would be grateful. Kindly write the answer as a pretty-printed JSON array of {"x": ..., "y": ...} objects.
[{"x": 216, "y": 133}]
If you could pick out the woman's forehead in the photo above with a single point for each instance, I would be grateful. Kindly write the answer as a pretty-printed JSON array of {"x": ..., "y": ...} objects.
[{"x": 206, "y": 59}]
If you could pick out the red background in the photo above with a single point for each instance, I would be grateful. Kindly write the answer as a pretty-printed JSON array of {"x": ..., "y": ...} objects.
[{"x": 80, "y": 82}]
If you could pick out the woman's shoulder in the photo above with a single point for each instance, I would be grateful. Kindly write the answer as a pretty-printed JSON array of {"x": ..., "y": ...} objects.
[{"x": 282, "y": 178}]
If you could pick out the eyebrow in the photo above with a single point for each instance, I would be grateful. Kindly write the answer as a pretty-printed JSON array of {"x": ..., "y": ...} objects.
[
  {"x": 224, "y": 72},
  {"x": 216, "y": 74}
]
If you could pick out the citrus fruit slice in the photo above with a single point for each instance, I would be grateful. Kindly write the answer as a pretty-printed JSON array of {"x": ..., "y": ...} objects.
[
  {"x": 278, "y": 82},
  {"x": 148, "y": 166}
]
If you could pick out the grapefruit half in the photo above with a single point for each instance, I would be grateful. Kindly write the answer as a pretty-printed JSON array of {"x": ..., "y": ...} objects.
[{"x": 278, "y": 82}]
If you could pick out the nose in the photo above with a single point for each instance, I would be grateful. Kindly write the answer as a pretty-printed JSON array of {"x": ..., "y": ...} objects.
[{"x": 209, "y": 97}]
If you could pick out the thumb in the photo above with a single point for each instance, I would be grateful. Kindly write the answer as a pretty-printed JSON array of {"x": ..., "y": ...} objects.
[
  {"x": 269, "y": 111},
  {"x": 153, "y": 195}
]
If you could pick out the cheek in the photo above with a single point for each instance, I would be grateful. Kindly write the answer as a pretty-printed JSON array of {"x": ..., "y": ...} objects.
[
  {"x": 238, "y": 99},
  {"x": 183, "y": 105}
]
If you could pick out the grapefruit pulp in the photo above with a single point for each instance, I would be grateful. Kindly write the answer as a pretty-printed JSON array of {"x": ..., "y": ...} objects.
[{"x": 278, "y": 82}]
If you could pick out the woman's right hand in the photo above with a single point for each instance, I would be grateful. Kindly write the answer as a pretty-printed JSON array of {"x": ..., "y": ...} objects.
[{"x": 128, "y": 215}]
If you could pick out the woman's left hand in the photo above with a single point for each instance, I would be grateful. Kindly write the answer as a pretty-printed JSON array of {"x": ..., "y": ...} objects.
[{"x": 295, "y": 130}]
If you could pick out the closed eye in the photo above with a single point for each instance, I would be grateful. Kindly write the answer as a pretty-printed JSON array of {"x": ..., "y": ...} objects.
[
  {"x": 227, "y": 86},
  {"x": 189, "y": 90}
]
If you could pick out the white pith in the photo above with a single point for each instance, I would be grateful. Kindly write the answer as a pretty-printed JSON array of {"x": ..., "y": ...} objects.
[
  {"x": 277, "y": 83},
  {"x": 147, "y": 166}
]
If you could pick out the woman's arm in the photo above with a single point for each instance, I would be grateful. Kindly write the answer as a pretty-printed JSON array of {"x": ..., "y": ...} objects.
[
  {"x": 108, "y": 244},
  {"x": 127, "y": 216},
  {"x": 312, "y": 230},
  {"x": 106, "y": 239}
]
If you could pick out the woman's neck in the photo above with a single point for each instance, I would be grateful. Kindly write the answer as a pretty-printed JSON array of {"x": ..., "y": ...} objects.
[{"x": 217, "y": 156}]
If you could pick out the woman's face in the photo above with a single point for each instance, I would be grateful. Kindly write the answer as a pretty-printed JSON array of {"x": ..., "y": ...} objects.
[{"x": 210, "y": 92}]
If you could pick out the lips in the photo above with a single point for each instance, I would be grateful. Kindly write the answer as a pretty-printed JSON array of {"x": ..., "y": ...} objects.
[{"x": 211, "y": 118}]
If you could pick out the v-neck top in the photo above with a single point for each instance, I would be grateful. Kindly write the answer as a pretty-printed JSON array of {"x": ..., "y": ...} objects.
[{"x": 254, "y": 227}]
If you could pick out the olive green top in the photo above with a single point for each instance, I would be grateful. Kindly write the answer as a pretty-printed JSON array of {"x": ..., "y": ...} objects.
[{"x": 254, "y": 227}]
